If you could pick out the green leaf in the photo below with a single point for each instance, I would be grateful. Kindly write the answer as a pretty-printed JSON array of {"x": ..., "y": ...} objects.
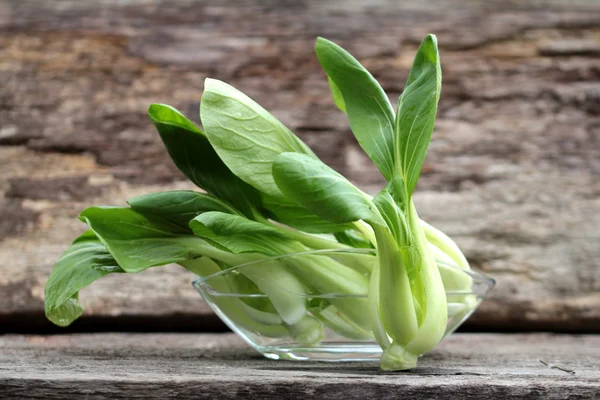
[
  {"x": 138, "y": 242},
  {"x": 238, "y": 234},
  {"x": 353, "y": 238},
  {"x": 178, "y": 206},
  {"x": 323, "y": 191},
  {"x": 86, "y": 261},
  {"x": 291, "y": 214},
  {"x": 246, "y": 137},
  {"x": 193, "y": 154},
  {"x": 338, "y": 97},
  {"x": 370, "y": 113},
  {"x": 417, "y": 108}
]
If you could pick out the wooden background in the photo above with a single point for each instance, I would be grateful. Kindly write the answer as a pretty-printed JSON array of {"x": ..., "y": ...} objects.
[{"x": 512, "y": 173}]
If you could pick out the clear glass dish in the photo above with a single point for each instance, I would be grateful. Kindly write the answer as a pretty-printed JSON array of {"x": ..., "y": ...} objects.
[{"x": 235, "y": 297}]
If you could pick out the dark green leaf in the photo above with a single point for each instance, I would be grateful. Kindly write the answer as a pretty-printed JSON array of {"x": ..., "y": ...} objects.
[
  {"x": 288, "y": 213},
  {"x": 416, "y": 112},
  {"x": 178, "y": 206},
  {"x": 246, "y": 137},
  {"x": 354, "y": 239},
  {"x": 83, "y": 263},
  {"x": 321, "y": 190},
  {"x": 194, "y": 156},
  {"x": 369, "y": 110}
]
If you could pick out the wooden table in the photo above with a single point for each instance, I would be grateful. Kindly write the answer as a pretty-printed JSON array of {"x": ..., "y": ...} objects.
[{"x": 185, "y": 366}]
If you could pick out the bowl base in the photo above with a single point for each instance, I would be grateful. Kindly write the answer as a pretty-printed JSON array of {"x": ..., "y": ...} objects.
[{"x": 327, "y": 352}]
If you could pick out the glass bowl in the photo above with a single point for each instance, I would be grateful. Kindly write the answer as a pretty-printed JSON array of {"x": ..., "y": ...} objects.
[{"x": 321, "y": 326}]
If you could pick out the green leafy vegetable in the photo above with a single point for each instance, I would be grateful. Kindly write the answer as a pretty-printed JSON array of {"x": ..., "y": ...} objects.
[
  {"x": 417, "y": 108},
  {"x": 411, "y": 269},
  {"x": 285, "y": 245},
  {"x": 408, "y": 302}
]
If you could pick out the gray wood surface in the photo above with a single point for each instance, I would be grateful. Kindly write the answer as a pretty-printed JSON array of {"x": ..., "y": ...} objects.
[
  {"x": 512, "y": 173},
  {"x": 118, "y": 366}
]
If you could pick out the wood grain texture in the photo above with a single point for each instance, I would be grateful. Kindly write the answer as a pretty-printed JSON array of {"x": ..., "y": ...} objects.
[
  {"x": 512, "y": 173},
  {"x": 118, "y": 366}
]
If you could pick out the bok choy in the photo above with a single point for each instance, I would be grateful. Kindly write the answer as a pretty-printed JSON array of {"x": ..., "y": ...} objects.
[{"x": 264, "y": 193}]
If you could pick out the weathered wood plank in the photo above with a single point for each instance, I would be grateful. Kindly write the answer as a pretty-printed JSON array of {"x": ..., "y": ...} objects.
[
  {"x": 115, "y": 366},
  {"x": 512, "y": 173}
]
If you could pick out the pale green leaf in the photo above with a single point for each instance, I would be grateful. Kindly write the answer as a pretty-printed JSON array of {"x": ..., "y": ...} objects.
[
  {"x": 417, "y": 108},
  {"x": 245, "y": 136},
  {"x": 369, "y": 111}
]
